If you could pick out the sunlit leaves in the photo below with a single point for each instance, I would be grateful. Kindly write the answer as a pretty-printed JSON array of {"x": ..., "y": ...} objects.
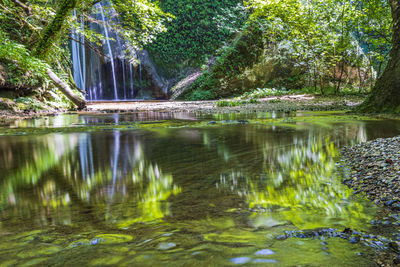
[
  {"x": 320, "y": 34},
  {"x": 16, "y": 54}
]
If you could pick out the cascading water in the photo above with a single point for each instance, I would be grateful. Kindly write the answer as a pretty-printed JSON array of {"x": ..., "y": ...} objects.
[
  {"x": 77, "y": 51},
  {"x": 109, "y": 49},
  {"x": 104, "y": 75}
]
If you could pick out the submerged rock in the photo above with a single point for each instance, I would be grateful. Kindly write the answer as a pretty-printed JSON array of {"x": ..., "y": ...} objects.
[{"x": 166, "y": 246}]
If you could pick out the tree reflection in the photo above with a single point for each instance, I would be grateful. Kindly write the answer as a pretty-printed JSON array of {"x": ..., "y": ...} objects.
[{"x": 299, "y": 181}]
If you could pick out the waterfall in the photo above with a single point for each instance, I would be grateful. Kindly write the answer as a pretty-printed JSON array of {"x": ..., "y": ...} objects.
[
  {"x": 77, "y": 50},
  {"x": 131, "y": 80},
  {"x": 106, "y": 75},
  {"x": 109, "y": 50}
]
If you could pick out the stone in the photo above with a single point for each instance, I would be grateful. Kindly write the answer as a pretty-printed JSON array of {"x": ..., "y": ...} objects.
[
  {"x": 264, "y": 252},
  {"x": 165, "y": 246}
]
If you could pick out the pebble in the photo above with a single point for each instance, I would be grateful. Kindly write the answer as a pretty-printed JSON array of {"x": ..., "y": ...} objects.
[{"x": 374, "y": 170}]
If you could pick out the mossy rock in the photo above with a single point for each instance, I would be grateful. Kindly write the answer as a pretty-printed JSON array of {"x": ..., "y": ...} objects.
[
  {"x": 114, "y": 238},
  {"x": 7, "y": 104},
  {"x": 80, "y": 242}
]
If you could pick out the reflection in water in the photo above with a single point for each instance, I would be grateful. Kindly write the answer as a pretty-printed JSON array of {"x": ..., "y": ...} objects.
[
  {"x": 195, "y": 188},
  {"x": 73, "y": 170},
  {"x": 297, "y": 183}
]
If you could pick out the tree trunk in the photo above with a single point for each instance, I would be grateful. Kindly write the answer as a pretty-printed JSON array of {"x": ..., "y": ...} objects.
[
  {"x": 52, "y": 31},
  {"x": 385, "y": 96},
  {"x": 64, "y": 88}
]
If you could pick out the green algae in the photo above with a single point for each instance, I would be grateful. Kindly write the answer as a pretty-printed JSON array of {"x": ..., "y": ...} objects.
[
  {"x": 33, "y": 262},
  {"x": 106, "y": 261},
  {"x": 45, "y": 250},
  {"x": 233, "y": 236},
  {"x": 114, "y": 238},
  {"x": 9, "y": 263}
]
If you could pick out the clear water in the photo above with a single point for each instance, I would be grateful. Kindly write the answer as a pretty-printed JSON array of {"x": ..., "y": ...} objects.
[{"x": 160, "y": 189}]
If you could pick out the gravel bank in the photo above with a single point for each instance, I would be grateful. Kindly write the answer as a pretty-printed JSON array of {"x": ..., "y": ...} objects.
[
  {"x": 375, "y": 170},
  {"x": 274, "y": 103}
]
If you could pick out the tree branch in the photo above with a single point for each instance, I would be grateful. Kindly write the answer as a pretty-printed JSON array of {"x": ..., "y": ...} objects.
[
  {"x": 91, "y": 47},
  {"x": 27, "y": 9}
]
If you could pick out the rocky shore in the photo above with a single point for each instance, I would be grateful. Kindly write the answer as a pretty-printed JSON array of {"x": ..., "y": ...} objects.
[{"x": 375, "y": 170}]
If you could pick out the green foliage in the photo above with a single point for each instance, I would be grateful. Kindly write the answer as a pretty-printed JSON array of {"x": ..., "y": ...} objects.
[
  {"x": 331, "y": 45},
  {"x": 375, "y": 30},
  {"x": 230, "y": 103},
  {"x": 262, "y": 92},
  {"x": 22, "y": 68},
  {"x": 326, "y": 36},
  {"x": 200, "y": 27},
  {"x": 236, "y": 102},
  {"x": 231, "y": 61},
  {"x": 18, "y": 54},
  {"x": 138, "y": 21},
  {"x": 201, "y": 95}
]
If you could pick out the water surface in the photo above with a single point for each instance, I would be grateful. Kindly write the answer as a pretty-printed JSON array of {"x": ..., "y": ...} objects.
[{"x": 161, "y": 189}]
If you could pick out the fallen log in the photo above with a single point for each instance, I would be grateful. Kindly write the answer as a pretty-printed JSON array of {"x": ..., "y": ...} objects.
[{"x": 66, "y": 90}]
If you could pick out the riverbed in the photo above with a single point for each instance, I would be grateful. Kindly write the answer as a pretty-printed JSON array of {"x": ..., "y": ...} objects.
[{"x": 184, "y": 189}]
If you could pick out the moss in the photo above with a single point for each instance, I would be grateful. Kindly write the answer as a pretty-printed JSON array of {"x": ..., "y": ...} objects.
[
  {"x": 7, "y": 104},
  {"x": 51, "y": 33}
]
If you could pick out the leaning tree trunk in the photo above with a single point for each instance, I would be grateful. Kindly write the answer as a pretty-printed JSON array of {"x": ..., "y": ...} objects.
[{"x": 385, "y": 96}]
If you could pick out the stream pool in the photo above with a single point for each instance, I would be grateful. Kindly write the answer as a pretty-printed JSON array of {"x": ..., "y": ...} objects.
[{"x": 182, "y": 189}]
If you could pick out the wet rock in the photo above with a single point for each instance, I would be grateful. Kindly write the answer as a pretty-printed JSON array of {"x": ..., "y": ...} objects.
[
  {"x": 389, "y": 202},
  {"x": 96, "y": 241},
  {"x": 264, "y": 252},
  {"x": 166, "y": 246},
  {"x": 281, "y": 237},
  {"x": 354, "y": 239},
  {"x": 389, "y": 161},
  {"x": 394, "y": 246}
]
